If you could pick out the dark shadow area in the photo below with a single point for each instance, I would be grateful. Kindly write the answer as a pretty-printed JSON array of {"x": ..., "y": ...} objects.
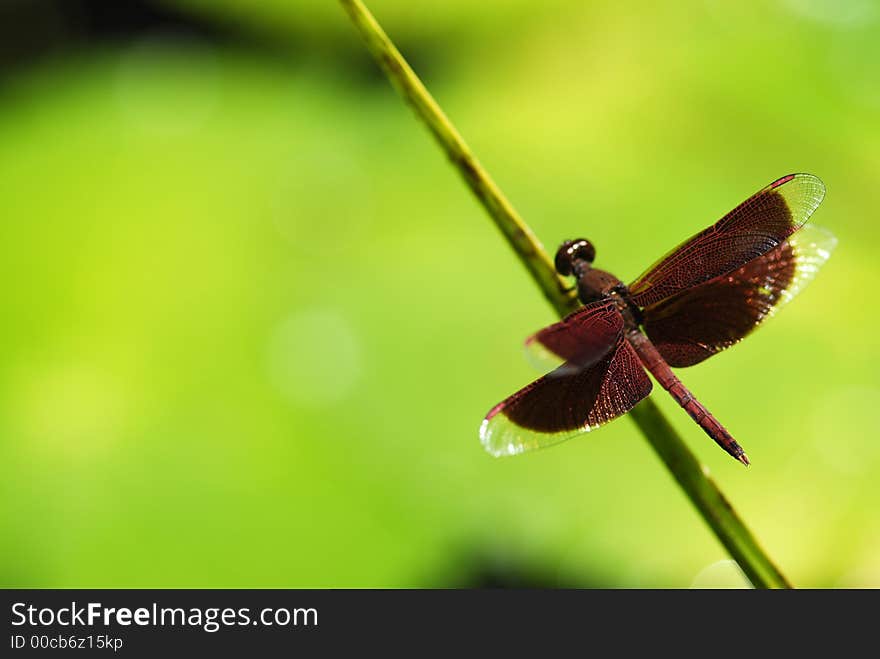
[
  {"x": 483, "y": 570},
  {"x": 33, "y": 31}
]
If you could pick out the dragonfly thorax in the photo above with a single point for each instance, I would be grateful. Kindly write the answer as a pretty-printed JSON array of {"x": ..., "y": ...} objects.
[
  {"x": 575, "y": 258},
  {"x": 594, "y": 284}
]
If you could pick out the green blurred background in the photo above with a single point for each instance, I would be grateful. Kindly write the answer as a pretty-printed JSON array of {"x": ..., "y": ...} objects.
[{"x": 252, "y": 319}]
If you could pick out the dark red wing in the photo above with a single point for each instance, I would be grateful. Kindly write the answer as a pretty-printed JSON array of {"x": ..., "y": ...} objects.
[
  {"x": 581, "y": 338},
  {"x": 566, "y": 402},
  {"x": 755, "y": 227},
  {"x": 701, "y": 321}
]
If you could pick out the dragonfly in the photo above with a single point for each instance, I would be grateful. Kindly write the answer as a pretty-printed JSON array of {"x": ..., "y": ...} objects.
[{"x": 699, "y": 299}]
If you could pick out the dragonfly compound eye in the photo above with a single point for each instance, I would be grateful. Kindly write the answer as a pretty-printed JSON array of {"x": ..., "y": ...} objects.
[{"x": 571, "y": 251}]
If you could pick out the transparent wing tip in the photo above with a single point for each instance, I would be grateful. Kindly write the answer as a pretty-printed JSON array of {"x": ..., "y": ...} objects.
[
  {"x": 803, "y": 178},
  {"x": 813, "y": 246},
  {"x": 816, "y": 238},
  {"x": 502, "y": 437},
  {"x": 497, "y": 437}
]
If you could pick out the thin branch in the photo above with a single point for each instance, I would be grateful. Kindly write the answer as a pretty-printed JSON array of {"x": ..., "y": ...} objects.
[{"x": 687, "y": 471}]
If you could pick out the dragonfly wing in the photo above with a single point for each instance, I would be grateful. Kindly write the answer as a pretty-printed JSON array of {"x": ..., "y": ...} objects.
[
  {"x": 701, "y": 321},
  {"x": 755, "y": 227},
  {"x": 582, "y": 338},
  {"x": 566, "y": 402}
]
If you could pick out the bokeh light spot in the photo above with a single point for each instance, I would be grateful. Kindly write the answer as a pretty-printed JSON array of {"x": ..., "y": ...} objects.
[
  {"x": 842, "y": 13},
  {"x": 722, "y": 574},
  {"x": 314, "y": 357},
  {"x": 69, "y": 410}
]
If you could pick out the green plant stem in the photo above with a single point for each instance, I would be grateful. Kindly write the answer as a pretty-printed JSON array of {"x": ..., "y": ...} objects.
[{"x": 686, "y": 469}]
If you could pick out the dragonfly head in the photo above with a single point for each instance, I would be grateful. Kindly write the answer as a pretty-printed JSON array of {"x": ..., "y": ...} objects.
[{"x": 572, "y": 251}]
